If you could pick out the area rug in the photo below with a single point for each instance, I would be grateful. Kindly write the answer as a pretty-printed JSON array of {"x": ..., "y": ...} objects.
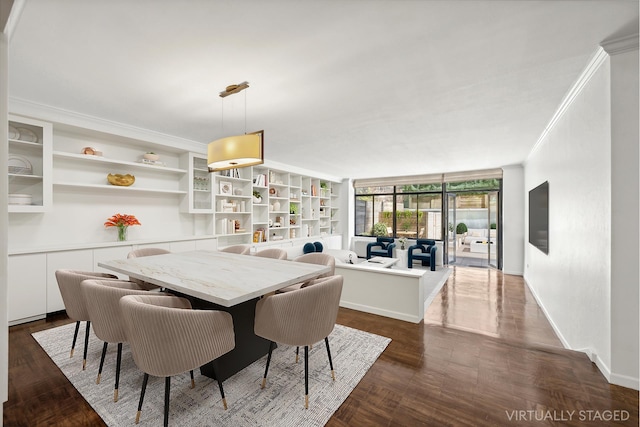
[{"x": 281, "y": 403}]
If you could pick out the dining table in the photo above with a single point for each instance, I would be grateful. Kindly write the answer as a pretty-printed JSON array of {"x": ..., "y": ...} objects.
[{"x": 215, "y": 280}]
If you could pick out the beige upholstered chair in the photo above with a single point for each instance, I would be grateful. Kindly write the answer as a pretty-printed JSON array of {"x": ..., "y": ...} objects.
[
  {"x": 69, "y": 285},
  {"x": 137, "y": 253},
  {"x": 237, "y": 249},
  {"x": 103, "y": 303},
  {"x": 300, "y": 318},
  {"x": 167, "y": 340},
  {"x": 273, "y": 253},
  {"x": 313, "y": 258}
]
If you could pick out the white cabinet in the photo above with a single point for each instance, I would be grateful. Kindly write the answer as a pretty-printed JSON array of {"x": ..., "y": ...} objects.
[
  {"x": 29, "y": 165},
  {"x": 197, "y": 183},
  {"x": 27, "y": 289},
  {"x": 81, "y": 260}
]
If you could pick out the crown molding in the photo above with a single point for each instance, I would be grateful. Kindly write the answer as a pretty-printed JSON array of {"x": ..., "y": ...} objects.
[
  {"x": 70, "y": 118},
  {"x": 621, "y": 45},
  {"x": 598, "y": 58}
]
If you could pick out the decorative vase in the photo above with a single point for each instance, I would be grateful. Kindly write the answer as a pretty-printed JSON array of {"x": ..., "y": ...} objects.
[
  {"x": 122, "y": 233},
  {"x": 276, "y": 206},
  {"x": 257, "y": 199}
]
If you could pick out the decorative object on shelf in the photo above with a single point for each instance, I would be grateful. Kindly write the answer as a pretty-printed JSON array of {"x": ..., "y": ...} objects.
[
  {"x": 27, "y": 135},
  {"x": 293, "y": 208},
  {"x": 273, "y": 192},
  {"x": 238, "y": 191},
  {"x": 257, "y": 197},
  {"x": 226, "y": 187},
  {"x": 122, "y": 222},
  {"x": 150, "y": 155},
  {"x": 13, "y": 133},
  {"x": 237, "y": 151},
  {"x": 19, "y": 165},
  {"x": 121, "y": 180},
  {"x": 19, "y": 199},
  {"x": 276, "y": 206},
  {"x": 88, "y": 151}
]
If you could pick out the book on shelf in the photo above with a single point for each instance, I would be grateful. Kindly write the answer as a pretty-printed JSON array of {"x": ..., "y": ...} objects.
[{"x": 260, "y": 180}]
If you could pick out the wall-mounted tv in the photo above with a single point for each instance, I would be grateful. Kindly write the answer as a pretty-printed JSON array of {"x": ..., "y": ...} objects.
[{"x": 539, "y": 217}]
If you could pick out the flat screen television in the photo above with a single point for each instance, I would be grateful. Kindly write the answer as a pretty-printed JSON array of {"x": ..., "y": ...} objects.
[{"x": 539, "y": 217}]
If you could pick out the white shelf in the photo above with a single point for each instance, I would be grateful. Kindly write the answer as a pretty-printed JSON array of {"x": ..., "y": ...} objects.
[
  {"x": 25, "y": 208},
  {"x": 24, "y": 176},
  {"x": 117, "y": 188},
  {"x": 107, "y": 161}
]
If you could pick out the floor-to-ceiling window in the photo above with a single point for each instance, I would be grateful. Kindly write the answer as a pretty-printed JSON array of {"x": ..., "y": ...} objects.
[{"x": 462, "y": 210}]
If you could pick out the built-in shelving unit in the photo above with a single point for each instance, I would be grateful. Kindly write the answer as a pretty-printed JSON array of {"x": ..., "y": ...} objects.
[
  {"x": 71, "y": 159},
  {"x": 29, "y": 165}
]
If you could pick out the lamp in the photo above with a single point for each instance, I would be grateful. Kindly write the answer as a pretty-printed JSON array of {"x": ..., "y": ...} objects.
[{"x": 236, "y": 151}]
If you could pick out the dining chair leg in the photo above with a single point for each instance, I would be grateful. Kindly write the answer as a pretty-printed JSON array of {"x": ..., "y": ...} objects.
[
  {"x": 75, "y": 337},
  {"x": 333, "y": 374},
  {"x": 104, "y": 352},
  {"x": 297, "y": 354},
  {"x": 266, "y": 369},
  {"x": 167, "y": 392},
  {"x": 193, "y": 382},
  {"x": 86, "y": 344},
  {"x": 118, "y": 362},
  {"x": 144, "y": 388},
  {"x": 306, "y": 377},
  {"x": 224, "y": 399}
]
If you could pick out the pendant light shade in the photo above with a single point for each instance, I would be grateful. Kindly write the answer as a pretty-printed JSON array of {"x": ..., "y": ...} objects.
[{"x": 236, "y": 151}]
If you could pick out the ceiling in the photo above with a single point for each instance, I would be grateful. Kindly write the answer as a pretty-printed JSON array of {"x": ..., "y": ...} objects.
[{"x": 351, "y": 88}]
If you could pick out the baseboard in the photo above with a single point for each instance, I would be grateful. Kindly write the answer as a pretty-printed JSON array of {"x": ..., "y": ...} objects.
[
  {"x": 564, "y": 342},
  {"x": 513, "y": 273},
  {"x": 612, "y": 378},
  {"x": 380, "y": 312}
]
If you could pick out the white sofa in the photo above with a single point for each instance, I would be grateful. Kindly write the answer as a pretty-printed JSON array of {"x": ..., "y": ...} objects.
[{"x": 475, "y": 235}]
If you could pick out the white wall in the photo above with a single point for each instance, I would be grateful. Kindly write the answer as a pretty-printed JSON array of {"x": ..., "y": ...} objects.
[
  {"x": 572, "y": 283},
  {"x": 624, "y": 218},
  {"x": 4, "y": 128},
  {"x": 513, "y": 235},
  {"x": 588, "y": 283}
]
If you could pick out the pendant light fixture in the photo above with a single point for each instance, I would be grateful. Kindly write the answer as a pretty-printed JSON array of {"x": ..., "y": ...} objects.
[{"x": 236, "y": 151}]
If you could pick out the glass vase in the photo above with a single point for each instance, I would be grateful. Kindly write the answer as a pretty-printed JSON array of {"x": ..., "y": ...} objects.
[{"x": 122, "y": 233}]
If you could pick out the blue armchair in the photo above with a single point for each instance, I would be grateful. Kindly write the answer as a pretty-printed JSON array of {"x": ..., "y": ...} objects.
[
  {"x": 427, "y": 253},
  {"x": 386, "y": 247}
]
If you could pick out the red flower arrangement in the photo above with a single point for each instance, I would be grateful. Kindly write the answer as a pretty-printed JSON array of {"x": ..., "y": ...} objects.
[{"x": 122, "y": 221}]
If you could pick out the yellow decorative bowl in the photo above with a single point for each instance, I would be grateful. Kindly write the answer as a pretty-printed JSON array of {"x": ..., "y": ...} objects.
[{"x": 121, "y": 180}]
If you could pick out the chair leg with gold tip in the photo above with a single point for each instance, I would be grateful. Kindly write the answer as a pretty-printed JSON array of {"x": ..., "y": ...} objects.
[
  {"x": 144, "y": 388},
  {"x": 193, "y": 382},
  {"x": 104, "y": 353},
  {"x": 86, "y": 344},
  {"x": 75, "y": 337},
  {"x": 118, "y": 362},
  {"x": 266, "y": 369},
  {"x": 224, "y": 399},
  {"x": 306, "y": 377},
  {"x": 333, "y": 374}
]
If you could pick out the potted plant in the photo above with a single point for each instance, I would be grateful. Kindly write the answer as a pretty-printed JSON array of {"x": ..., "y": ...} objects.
[
  {"x": 293, "y": 208},
  {"x": 379, "y": 229},
  {"x": 461, "y": 228},
  {"x": 257, "y": 197}
]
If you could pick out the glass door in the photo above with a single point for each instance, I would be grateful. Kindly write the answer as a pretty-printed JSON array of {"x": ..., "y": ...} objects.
[
  {"x": 451, "y": 243},
  {"x": 493, "y": 231}
]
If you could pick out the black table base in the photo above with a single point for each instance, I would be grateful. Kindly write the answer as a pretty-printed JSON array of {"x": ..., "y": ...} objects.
[{"x": 249, "y": 347}]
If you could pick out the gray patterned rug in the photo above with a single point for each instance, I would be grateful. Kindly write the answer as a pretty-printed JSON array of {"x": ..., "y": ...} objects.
[{"x": 281, "y": 403}]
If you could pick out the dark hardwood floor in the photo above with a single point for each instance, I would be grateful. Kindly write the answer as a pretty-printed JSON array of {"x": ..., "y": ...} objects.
[{"x": 485, "y": 356}]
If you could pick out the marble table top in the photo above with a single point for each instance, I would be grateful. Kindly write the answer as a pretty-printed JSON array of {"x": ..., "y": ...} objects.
[{"x": 223, "y": 278}]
